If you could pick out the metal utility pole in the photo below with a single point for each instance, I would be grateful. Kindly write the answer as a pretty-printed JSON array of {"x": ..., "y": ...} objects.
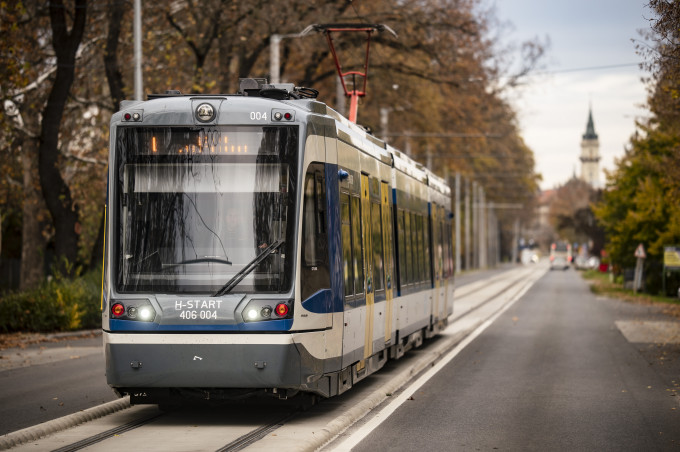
[
  {"x": 137, "y": 25},
  {"x": 515, "y": 241},
  {"x": 457, "y": 220},
  {"x": 274, "y": 58},
  {"x": 340, "y": 99},
  {"x": 468, "y": 264},
  {"x": 475, "y": 225},
  {"x": 482, "y": 227},
  {"x": 274, "y": 52},
  {"x": 493, "y": 240},
  {"x": 384, "y": 120}
]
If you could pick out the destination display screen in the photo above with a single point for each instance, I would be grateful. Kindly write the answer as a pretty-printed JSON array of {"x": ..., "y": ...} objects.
[{"x": 161, "y": 141}]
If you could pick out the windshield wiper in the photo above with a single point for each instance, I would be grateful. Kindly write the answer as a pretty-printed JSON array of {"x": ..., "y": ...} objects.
[
  {"x": 238, "y": 277},
  {"x": 215, "y": 260}
]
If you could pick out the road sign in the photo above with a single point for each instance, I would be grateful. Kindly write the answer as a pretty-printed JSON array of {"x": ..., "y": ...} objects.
[
  {"x": 640, "y": 252},
  {"x": 671, "y": 257}
]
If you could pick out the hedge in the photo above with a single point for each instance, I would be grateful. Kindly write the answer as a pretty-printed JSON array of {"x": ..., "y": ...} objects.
[{"x": 60, "y": 304}]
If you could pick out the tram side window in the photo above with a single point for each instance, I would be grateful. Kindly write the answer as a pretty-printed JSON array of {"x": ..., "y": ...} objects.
[
  {"x": 409, "y": 248},
  {"x": 401, "y": 245},
  {"x": 451, "y": 264},
  {"x": 378, "y": 268},
  {"x": 415, "y": 277},
  {"x": 448, "y": 267},
  {"x": 421, "y": 254},
  {"x": 357, "y": 255},
  {"x": 426, "y": 247},
  {"x": 346, "y": 245},
  {"x": 315, "y": 269},
  {"x": 441, "y": 251},
  {"x": 389, "y": 247}
]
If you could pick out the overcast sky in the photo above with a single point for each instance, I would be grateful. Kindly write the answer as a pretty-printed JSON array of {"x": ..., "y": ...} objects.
[{"x": 553, "y": 109}]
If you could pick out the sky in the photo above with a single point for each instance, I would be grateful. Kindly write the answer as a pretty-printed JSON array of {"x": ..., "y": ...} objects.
[{"x": 553, "y": 107}]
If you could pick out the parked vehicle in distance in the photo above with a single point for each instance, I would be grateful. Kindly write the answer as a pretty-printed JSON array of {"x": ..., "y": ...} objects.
[
  {"x": 560, "y": 255},
  {"x": 593, "y": 263},
  {"x": 529, "y": 256}
]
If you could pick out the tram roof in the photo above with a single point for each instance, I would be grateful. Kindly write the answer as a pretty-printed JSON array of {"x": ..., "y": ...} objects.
[{"x": 347, "y": 131}]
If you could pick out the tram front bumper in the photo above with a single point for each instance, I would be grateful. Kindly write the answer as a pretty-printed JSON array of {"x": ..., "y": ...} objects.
[{"x": 201, "y": 360}]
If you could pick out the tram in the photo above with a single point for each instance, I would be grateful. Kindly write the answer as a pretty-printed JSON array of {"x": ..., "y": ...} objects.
[{"x": 261, "y": 242}]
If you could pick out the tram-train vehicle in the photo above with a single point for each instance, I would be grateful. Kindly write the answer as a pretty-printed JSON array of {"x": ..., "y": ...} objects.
[{"x": 262, "y": 243}]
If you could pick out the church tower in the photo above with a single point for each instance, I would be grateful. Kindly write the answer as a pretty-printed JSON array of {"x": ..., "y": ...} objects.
[{"x": 590, "y": 154}]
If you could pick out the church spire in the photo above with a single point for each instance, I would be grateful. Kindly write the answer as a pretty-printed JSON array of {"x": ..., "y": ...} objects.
[
  {"x": 590, "y": 127},
  {"x": 590, "y": 153}
]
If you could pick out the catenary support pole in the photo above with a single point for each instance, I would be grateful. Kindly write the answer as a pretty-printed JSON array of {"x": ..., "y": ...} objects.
[
  {"x": 457, "y": 222},
  {"x": 468, "y": 263},
  {"x": 137, "y": 23}
]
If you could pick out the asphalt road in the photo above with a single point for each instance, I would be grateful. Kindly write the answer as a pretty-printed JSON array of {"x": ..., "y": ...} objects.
[
  {"x": 45, "y": 381},
  {"x": 559, "y": 370},
  {"x": 42, "y": 382},
  {"x": 554, "y": 372}
]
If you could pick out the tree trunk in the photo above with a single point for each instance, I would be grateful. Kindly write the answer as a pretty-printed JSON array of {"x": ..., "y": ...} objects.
[
  {"x": 97, "y": 255},
  {"x": 56, "y": 192},
  {"x": 113, "y": 74},
  {"x": 32, "y": 240},
  {"x": 116, "y": 88}
]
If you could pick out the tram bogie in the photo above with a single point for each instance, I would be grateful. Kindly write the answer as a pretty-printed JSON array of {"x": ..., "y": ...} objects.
[{"x": 260, "y": 242}]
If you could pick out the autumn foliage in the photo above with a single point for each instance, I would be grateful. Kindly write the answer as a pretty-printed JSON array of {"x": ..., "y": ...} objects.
[
  {"x": 65, "y": 65},
  {"x": 640, "y": 203}
]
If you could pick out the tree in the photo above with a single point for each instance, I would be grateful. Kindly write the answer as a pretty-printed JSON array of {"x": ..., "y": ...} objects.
[
  {"x": 640, "y": 203},
  {"x": 63, "y": 57},
  {"x": 24, "y": 76},
  {"x": 57, "y": 194},
  {"x": 572, "y": 217},
  {"x": 114, "y": 77}
]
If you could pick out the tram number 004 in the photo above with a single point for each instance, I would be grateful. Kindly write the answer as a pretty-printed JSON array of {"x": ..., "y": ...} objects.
[
  {"x": 258, "y": 115},
  {"x": 195, "y": 315}
]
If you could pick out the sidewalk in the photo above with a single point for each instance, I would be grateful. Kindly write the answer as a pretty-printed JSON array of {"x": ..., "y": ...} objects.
[
  {"x": 23, "y": 340},
  {"x": 27, "y": 349}
]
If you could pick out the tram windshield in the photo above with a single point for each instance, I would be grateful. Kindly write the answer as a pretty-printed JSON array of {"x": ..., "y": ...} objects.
[{"x": 197, "y": 206}]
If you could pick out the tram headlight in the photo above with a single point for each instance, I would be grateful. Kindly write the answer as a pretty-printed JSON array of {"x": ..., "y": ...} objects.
[
  {"x": 138, "y": 310},
  {"x": 261, "y": 310},
  {"x": 146, "y": 313},
  {"x": 252, "y": 314}
]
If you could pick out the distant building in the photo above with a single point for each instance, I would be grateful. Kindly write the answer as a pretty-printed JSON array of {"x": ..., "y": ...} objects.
[{"x": 590, "y": 154}]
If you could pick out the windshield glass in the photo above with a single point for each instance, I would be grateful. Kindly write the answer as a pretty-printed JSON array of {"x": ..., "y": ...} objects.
[{"x": 196, "y": 205}]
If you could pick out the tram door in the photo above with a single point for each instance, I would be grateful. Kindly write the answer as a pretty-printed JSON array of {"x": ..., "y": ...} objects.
[
  {"x": 387, "y": 256},
  {"x": 368, "y": 263}
]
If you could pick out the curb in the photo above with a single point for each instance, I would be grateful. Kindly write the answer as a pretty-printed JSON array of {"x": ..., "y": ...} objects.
[
  {"x": 78, "y": 333},
  {"x": 56, "y": 425}
]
